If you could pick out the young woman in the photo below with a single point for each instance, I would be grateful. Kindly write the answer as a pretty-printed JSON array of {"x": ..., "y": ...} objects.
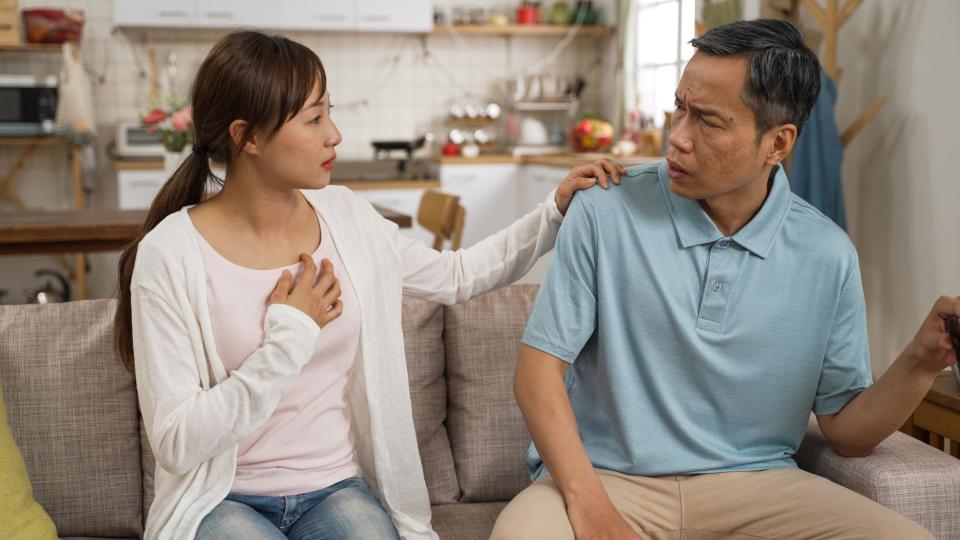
[{"x": 264, "y": 321}]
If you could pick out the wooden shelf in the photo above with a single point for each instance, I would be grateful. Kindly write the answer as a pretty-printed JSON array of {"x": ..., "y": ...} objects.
[
  {"x": 138, "y": 164},
  {"x": 524, "y": 30},
  {"x": 527, "y": 106},
  {"x": 468, "y": 122},
  {"x": 31, "y": 47},
  {"x": 20, "y": 141}
]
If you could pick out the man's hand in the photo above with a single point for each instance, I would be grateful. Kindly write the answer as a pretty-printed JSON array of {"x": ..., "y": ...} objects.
[
  {"x": 585, "y": 177},
  {"x": 931, "y": 349},
  {"x": 599, "y": 520},
  {"x": 881, "y": 409}
]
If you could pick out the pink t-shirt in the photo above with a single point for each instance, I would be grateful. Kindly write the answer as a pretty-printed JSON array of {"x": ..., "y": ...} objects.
[{"x": 306, "y": 443}]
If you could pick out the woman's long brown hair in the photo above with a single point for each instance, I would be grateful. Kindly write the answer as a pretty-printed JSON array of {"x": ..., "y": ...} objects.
[{"x": 263, "y": 80}]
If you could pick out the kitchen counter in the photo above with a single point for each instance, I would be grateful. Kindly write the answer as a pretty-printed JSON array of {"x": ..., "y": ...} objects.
[
  {"x": 569, "y": 160},
  {"x": 387, "y": 183}
]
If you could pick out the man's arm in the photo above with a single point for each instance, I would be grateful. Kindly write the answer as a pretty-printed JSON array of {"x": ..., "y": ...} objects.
[
  {"x": 542, "y": 396},
  {"x": 881, "y": 409}
]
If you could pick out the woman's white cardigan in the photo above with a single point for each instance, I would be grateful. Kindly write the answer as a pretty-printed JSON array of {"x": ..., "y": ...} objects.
[{"x": 195, "y": 415}]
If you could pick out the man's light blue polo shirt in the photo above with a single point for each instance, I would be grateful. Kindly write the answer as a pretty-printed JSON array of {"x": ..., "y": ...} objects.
[{"x": 692, "y": 352}]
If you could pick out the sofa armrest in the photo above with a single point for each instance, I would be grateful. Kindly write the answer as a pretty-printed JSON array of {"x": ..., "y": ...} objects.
[{"x": 902, "y": 474}]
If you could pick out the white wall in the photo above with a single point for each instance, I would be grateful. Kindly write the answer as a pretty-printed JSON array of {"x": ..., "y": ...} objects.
[{"x": 902, "y": 189}]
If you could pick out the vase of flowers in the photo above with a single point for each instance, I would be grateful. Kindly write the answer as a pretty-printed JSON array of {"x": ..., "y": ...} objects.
[{"x": 173, "y": 120}]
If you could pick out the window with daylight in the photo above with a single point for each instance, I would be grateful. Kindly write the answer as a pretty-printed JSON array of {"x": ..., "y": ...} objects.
[{"x": 662, "y": 49}]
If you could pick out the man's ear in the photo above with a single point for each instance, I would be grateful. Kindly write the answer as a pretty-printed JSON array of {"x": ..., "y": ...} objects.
[
  {"x": 782, "y": 138},
  {"x": 238, "y": 134}
]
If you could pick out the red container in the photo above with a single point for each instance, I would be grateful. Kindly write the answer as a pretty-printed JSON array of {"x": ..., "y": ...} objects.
[
  {"x": 451, "y": 149},
  {"x": 53, "y": 25},
  {"x": 528, "y": 15}
]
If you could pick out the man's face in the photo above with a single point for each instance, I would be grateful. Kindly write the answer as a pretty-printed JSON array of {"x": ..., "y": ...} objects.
[{"x": 713, "y": 139}]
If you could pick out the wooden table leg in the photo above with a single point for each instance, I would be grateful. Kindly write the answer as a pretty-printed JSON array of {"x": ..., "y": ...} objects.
[
  {"x": 955, "y": 449},
  {"x": 80, "y": 273},
  {"x": 79, "y": 260}
]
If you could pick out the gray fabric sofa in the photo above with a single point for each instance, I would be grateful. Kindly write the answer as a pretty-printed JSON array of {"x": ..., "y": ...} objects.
[{"x": 73, "y": 411}]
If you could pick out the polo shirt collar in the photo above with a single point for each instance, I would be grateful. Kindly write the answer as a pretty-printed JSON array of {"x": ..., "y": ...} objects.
[{"x": 694, "y": 227}]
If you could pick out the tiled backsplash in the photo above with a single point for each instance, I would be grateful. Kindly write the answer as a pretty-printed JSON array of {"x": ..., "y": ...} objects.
[{"x": 384, "y": 86}]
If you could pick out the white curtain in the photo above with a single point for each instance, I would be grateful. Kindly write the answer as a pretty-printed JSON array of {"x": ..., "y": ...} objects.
[{"x": 626, "y": 69}]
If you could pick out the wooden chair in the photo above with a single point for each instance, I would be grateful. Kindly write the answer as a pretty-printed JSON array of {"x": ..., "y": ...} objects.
[{"x": 442, "y": 214}]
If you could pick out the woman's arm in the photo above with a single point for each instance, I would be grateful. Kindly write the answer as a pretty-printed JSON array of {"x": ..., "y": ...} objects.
[{"x": 449, "y": 277}]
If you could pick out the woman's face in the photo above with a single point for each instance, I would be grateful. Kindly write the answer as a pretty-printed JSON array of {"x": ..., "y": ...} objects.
[{"x": 301, "y": 153}]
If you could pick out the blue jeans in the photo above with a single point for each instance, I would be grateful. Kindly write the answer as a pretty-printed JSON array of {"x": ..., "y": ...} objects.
[{"x": 346, "y": 509}]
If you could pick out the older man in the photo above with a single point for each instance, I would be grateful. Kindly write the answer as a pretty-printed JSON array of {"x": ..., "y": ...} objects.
[{"x": 692, "y": 320}]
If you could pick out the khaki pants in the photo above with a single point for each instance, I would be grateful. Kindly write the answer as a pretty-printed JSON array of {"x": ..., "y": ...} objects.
[{"x": 779, "y": 503}]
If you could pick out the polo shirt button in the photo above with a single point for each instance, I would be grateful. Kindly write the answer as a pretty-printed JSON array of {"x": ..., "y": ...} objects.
[
  {"x": 723, "y": 243},
  {"x": 717, "y": 286}
]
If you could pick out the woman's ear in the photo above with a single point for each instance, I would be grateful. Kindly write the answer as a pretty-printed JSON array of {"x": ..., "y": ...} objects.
[
  {"x": 784, "y": 137},
  {"x": 238, "y": 134}
]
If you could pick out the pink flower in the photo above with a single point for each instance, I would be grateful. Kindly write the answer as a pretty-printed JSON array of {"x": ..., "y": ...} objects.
[
  {"x": 154, "y": 116},
  {"x": 182, "y": 119}
]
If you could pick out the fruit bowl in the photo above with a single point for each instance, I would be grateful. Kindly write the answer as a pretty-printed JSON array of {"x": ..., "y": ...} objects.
[{"x": 591, "y": 135}]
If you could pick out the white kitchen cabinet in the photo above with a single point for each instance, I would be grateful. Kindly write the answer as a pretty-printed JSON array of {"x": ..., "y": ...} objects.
[
  {"x": 137, "y": 188},
  {"x": 393, "y": 16},
  {"x": 235, "y": 13},
  {"x": 538, "y": 181},
  {"x": 316, "y": 15},
  {"x": 342, "y": 15},
  {"x": 490, "y": 193},
  {"x": 169, "y": 13},
  {"x": 535, "y": 185},
  {"x": 405, "y": 201}
]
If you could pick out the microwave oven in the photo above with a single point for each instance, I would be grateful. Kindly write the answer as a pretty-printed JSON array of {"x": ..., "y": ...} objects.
[
  {"x": 134, "y": 141},
  {"x": 28, "y": 105}
]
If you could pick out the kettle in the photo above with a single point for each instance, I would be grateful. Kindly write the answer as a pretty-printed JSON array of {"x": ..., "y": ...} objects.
[{"x": 47, "y": 293}]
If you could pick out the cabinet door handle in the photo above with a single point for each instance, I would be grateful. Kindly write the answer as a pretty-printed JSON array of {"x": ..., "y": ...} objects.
[
  {"x": 377, "y": 17},
  {"x": 170, "y": 14},
  {"x": 219, "y": 15},
  {"x": 460, "y": 178},
  {"x": 329, "y": 17}
]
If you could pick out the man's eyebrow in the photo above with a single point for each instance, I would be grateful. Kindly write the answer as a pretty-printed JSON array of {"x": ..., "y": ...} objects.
[{"x": 703, "y": 110}]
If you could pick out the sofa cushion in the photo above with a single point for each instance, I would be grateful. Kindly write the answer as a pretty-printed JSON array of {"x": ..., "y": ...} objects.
[
  {"x": 467, "y": 521},
  {"x": 20, "y": 515},
  {"x": 423, "y": 342},
  {"x": 73, "y": 411},
  {"x": 487, "y": 432}
]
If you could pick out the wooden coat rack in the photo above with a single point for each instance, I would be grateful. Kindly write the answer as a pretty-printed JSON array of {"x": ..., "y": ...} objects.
[{"x": 830, "y": 19}]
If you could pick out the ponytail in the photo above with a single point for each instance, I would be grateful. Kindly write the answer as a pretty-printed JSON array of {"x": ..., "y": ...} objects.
[{"x": 187, "y": 186}]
